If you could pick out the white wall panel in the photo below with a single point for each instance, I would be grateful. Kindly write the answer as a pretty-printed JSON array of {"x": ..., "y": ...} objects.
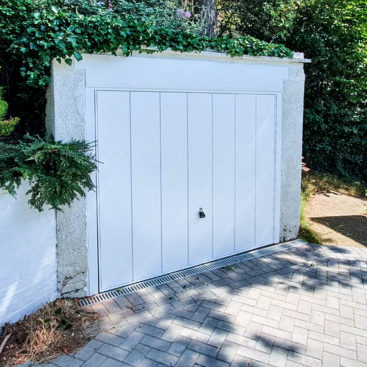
[
  {"x": 28, "y": 262},
  {"x": 200, "y": 176},
  {"x": 146, "y": 184},
  {"x": 223, "y": 174},
  {"x": 245, "y": 171},
  {"x": 174, "y": 181},
  {"x": 114, "y": 185},
  {"x": 265, "y": 169},
  {"x": 186, "y": 74}
]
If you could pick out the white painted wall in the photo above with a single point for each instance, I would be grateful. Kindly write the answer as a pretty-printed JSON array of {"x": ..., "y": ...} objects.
[{"x": 27, "y": 257}]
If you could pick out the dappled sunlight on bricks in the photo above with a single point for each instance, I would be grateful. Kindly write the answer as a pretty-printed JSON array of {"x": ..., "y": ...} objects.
[{"x": 288, "y": 309}]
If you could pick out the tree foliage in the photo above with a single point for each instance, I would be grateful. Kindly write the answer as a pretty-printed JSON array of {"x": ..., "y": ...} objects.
[
  {"x": 33, "y": 33},
  {"x": 55, "y": 32},
  {"x": 333, "y": 33},
  {"x": 6, "y": 126}
]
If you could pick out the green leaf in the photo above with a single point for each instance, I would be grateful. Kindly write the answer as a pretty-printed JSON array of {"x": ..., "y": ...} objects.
[{"x": 78, "y": 56}]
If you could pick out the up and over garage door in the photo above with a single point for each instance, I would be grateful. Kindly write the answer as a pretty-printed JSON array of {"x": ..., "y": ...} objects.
[{"x": 185, "y": 176}]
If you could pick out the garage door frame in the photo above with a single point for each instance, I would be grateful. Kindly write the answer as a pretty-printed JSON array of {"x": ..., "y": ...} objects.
[{"x": 92, "y": 197}]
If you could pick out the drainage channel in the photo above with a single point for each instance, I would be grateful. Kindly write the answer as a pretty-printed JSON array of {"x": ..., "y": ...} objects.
[{"x": 198, "y": 269}]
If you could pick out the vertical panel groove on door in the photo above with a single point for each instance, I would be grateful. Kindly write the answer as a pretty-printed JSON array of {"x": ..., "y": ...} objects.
[
  {"x": 160, "y": 177},
  {"x": 187, "y": 179},
  {"x": 146, "y": 193},
  {"x": 212, "y": 172},
  {"x": 223, "y": 174},
  {"x": 234, "y": 170},
  {"x": 200, "y": 177},
  {"x": 131, "y": 192},
  {"x": 114, "y": 188},
  {"x": 265, "y": 169},
  {"x": 174, "y": 181},
  {"x": 245, "y": 172}
]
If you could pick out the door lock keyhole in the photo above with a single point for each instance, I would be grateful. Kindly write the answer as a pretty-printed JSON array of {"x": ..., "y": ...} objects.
[{"x": 201, "y": 213}]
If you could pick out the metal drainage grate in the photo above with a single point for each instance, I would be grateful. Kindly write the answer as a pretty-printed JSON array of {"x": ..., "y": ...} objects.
[{"x": 216, "y": 264}]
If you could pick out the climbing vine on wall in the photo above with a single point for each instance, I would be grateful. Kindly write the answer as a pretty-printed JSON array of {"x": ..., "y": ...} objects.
[
  {"x": 33, "y": 33},
  {"x": 53, "y": 32}
]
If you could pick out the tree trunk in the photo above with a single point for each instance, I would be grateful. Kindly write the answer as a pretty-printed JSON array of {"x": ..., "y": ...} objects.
[{"x": 208, "y": 13}]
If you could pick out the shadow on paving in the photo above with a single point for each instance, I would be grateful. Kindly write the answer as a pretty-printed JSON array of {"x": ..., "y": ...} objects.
[{"x": 242, "y": 315}]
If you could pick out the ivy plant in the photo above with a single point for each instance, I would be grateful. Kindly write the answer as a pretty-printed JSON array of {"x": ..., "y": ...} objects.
[
  {"x": 50, "y": 32},
  {"x": 34, "y": 33}
]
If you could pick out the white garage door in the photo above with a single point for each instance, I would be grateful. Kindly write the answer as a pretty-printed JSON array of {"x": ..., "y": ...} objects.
[{"x": 166, "y": 156}]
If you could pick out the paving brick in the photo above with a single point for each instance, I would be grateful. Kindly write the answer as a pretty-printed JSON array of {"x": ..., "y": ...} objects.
[
  {"x": 87, "y": 351},
  {"x": 346, "y": 362},
  {"x": 348, "y": 340},
  {"x": 195, "y": 335},
  {"x": 162, "y": 357},
  {"x": 340, "y": 351},
  {"x": 187, "y": 359},
  {"x": 210, "y": 362},
  {"x": 156, "y": 343},
  {"x": 299, "y": 335},
  {"x": 217, "y": 337},
  {"x": 111, "y": 306},
  {"x": 95, "y": 360},
  {"x": 241, "y": 361},
  {"x": 200, "y": 314},
  {"x": 278, "y": 357},
  {"x": 314, "y": 348},
  {"x": 68, "y": 361},
  {"x": 362, "y": 353},
  {"x": 203, "y": 348},
  {"x": 253, "y": 354},
  {"x": 109, "y": 362},
  {"x": 131, "y": 341},
  {"x": 209, "y": 324},
  {"x": 227, "y": 351},
  {"x": 135, "y": 357},
  {"x": 330, "y": 360},
  {"x": 304, "y": 359},
  {"x": 178, "y": 347},
  {"x": 276, "y": 332},
  {"x": 113, "y": 352},
  {"x": 110, "y": 339}
]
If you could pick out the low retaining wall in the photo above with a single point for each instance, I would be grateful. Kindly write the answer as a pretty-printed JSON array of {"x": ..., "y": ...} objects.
[{"x": 27, "y": 257}]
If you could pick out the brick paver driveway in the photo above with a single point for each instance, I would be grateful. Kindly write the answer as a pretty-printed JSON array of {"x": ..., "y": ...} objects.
[{"x": 302, "y": 307}]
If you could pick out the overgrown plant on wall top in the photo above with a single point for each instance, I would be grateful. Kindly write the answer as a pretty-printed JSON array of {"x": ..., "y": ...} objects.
[
  {"x": 48, "y": 32},
  {"x": 33, "y": 33}
]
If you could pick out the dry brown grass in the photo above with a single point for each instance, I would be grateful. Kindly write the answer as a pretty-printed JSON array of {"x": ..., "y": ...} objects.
[
  {"x": 59, "y": 327},
  {"x": 316, "y": 183}
]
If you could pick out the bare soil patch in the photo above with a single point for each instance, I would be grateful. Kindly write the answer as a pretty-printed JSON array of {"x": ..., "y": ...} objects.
[
  {"x": 338, "y": 219},
  {"x": 59, "y": 327}
]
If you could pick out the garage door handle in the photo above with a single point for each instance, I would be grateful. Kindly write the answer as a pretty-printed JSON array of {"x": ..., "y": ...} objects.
[{"x": 201, "y": 213}]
